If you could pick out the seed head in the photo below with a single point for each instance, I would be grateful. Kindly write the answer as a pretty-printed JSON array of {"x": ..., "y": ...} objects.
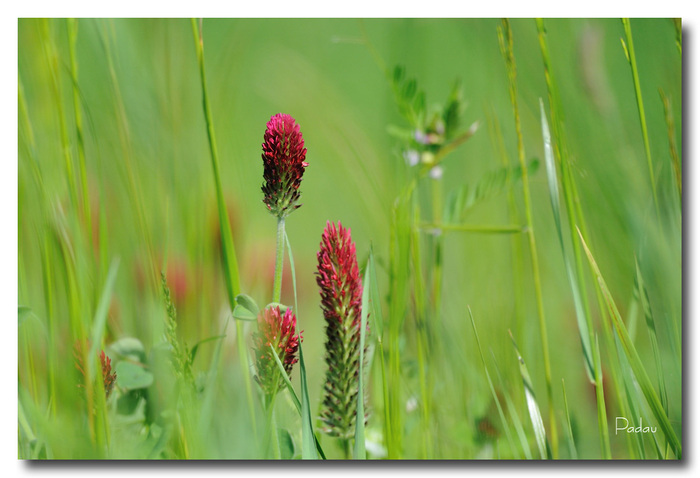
[
  {"x": 284, "y": 160},
  {"x": 108, "y": 376},
  {"x": 279, "y": 330},
  {"x": 338, "y": 278}
]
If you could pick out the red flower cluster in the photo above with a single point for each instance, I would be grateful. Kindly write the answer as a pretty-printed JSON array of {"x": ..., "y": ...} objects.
[
  {"x": 278, "y": 330},
  {"x": 284, "y": 160},
  {"x": 338, "y": 277},
  {"x": 108, "y": 376}
]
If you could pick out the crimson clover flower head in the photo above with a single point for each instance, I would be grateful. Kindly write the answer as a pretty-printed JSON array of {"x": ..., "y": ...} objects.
[
  {"x": 284, "y": 160},
  {"x": 276, "y": 329},
  {"x": 338, "y": 278}
]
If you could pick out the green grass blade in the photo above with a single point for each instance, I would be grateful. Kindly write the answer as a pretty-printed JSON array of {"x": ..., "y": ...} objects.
[
  {"x": 359, "y": 452},
  {"x": 651, "y": 328},
  {"x": 600, "y": 405},
  {"x": 231, "y": 272},
  {"x": 532, "y": 407},
  {"x": 553, "y": 184},
  {"x": 311, "y": 448},
  {"x": 506, "y": 428},
  {"x": 287, "y": 382},
  {"x": 513, "y": 412},
  {"x": 378, "y": 322},
  {"x": 635, "y": 362},
  {"x": 631, "y": 58},
  {"x": 569, "y": 432},
  {"x": 100, "y": 318},
  {"x": 309, "y": 444}
]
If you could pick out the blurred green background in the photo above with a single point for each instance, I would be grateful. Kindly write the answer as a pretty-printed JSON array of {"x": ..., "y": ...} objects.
[{"x": 146, "y": 154}]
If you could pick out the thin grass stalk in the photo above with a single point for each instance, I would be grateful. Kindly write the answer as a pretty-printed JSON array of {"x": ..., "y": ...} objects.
[
  {"x": 51, "y": 52},
  {"x": 569, "y": 188},
  {"x": 570, "y": 433},
  {"x": 506, "y": 40},
  {"x": 506, "y": 428},
  {"x": 72, "y": 26},
  {"x": 229, "y": 253},
  {"x": 635, "y": 362},
  {"x": 137, "y": 202},
  {"x": 422, "y": 338},
  {"x": 517, "y": 257},
  {"x": 399, "y": 259},
  {"x": 675, "y": 158},
  {"x": 311, "y": 448},
  {"x": 632, "y": 59}
]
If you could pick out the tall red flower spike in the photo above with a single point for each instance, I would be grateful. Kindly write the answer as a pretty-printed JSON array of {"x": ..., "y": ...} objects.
[
  {"x": 338, "y": 277},
  {"x": 284, "y": 160},
  {"x": 279, "y": 330}
]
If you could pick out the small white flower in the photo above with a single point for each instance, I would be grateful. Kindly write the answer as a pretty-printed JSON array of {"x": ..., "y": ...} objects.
[
  {"x": 412, "y": 157},
  {"x": 436, "y": 172},
  {"x": 411, "y": 404}
]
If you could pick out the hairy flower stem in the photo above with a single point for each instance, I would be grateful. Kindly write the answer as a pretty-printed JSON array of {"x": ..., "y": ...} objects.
[
  {"x": 272, "y": 439},
  {"x": 279, "y": 262}
]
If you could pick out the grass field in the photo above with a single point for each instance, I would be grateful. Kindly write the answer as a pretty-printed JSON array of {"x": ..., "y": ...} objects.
[{"x": 513, "y": 190}]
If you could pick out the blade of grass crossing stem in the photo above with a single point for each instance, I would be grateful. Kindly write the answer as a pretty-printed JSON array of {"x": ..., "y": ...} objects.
[
  {"x": 506, "y": 428},
  {"x": 584, "y": 326},
  {"x": 229, "y": 252},
  {"x": 635, "y": 362},
  {"x": 569, "y": 432},
  {"x": 287, "y": 382},
  {"x": 532, "y": 407},
  {"x": 359, "y": 452},
  {"x": 311, "y": 448}
]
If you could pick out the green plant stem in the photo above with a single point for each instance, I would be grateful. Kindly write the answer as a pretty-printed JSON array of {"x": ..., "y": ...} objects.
[
  {"x": 273, "y": 436},
  {"x": 229, "y": 253},
  {"x": 629, "y": 48},
  {"x": 72, "y": 25},
  {"x": 507, "y": 49},
  {"x": 419, "y": 296},
  {"x": 279, "y": 262},
  {"x": 347, "y": 448}
]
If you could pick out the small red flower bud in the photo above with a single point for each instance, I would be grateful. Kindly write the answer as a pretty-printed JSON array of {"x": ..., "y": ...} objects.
[
  {"x": 284, "y": 160},
  {"x": 278, "y": 330},
  {"x": 108, "y": 376}
]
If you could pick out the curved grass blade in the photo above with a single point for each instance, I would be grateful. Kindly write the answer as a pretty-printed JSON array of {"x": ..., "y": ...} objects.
[
  {"x": 584, "y": 326},
  {"x": 231, "y": 272},
  {"x": 532, "y": 407},
  {"x": 651, "y": 328},
  {"x": 493, "y": 390},
  {"x": 513, "y": 412},
  {"x": 310, "y": 446},
  {"x": 359, "y": 452},
  {"x": 378, "y": 321},
  {"x": 100, "y": 319},
  {"x": 287, "y": 382},
  {"x": 635, "y": 362},
  {"x": 569, "y": 431}
]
